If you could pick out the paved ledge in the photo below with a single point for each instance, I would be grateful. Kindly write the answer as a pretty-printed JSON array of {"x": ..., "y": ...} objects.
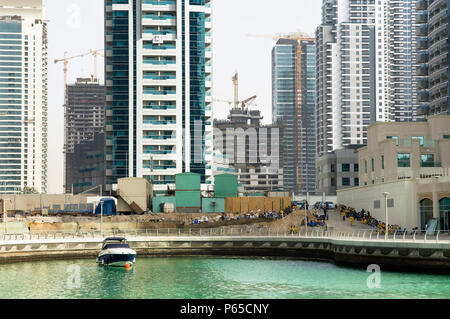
[{"x": 408, "y": 255}]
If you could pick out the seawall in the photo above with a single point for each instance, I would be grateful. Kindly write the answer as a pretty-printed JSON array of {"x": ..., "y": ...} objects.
[{"x": 408, "y": 255}]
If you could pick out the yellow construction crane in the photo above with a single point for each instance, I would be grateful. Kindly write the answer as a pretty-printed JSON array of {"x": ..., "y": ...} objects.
[
  {"x": 236, "y": 101},
  {"x": 95, "y": 53},
  {"x": 67, "y": 58},
  {"x": 236, "y": 88},
  {"x": 65, "y": 61}
]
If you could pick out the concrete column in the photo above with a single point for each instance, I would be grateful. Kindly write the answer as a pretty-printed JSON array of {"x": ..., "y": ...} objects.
[{"x": 435, "y": 198}]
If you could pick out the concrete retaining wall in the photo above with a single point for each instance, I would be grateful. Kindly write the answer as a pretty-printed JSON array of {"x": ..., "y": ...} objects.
[
  {"x": 403, "y": 256},
  {"x": 31, "y": 202}
]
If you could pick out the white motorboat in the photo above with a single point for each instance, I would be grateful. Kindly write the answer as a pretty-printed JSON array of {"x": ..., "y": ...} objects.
[{"x": 116, "y": 252}]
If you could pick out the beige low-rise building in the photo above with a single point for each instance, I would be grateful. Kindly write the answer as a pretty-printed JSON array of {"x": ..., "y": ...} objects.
[{"x": 411, "y": 162}]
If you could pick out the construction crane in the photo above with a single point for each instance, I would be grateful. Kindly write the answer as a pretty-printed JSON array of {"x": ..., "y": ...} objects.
[
  {"x": 95, "y": 53},
  {"x": 246, "y": 103},
  {"x": 67, "y": 58},
  {"x": 236, "y": 88},
  {"x": 65, "y": 61},
  {"x": 236, "y": 101}
]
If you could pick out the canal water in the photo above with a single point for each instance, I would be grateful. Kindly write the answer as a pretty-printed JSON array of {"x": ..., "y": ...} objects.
[{"x": 211, "y": 278}]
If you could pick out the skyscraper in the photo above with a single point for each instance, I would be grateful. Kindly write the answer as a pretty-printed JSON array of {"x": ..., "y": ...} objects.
[
  {"x": 293, "y": 105},
  {"x": 366, "y": 61},
  {"x": 158, "y": 89},
  {"x": 402, "y": 60},
  {"x": 85, "y": 125},
  {"x": 23, "y": 96},
  {"x": 433, "y": 34}
]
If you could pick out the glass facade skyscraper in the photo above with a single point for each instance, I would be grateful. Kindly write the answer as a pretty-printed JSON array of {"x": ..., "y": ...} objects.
[
  {"x": 293, "y": 106},
  {"x": 158, "y": 89},
  {"x": 23, "y": 97}
]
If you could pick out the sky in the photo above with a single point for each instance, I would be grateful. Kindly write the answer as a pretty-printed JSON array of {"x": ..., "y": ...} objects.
[{"x": 77, "y": 27}]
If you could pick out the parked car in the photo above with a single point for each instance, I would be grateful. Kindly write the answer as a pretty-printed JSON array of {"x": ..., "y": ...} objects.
[{"x": 330, "y": 205}]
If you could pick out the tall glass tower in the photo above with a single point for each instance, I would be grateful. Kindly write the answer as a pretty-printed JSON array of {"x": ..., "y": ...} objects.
[
  {"x": 293, "y": 106},
  {"x": 158, "y": 90},
  {"x": 23, "y": 97}
]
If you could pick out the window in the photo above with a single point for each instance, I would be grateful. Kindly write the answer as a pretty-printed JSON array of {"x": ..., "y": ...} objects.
[
  {"x": 346, "y": 167},
  {"x": 404, "y": 160},
  {"x": 382, "y": 161},
  {"x": 419, "y": 138},
  {"x": 356, "y": 180},
  {"x": 356, "y": 168},
  {"x": 446, "y": 137},
  {"x": 365, "y": 166},
  {"x": 345, "y": 181},
  {"x": 427, "y": 160},
  {"x": 373, "y": 165},
  {"x": 332, "y": 168},
  {"x": 393, "y": 138},
  {"x": 376, "y": 204},
  {"x": 390, "y": 202}
]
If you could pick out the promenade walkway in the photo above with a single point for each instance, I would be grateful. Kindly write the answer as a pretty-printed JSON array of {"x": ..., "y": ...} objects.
[{"x": 335, "y": 222}]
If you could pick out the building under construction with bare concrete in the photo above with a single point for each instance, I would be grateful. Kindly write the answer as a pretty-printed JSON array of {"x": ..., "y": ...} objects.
[
  {"x": 84, "y": 139},
  {"x": 252, "y": 149}
]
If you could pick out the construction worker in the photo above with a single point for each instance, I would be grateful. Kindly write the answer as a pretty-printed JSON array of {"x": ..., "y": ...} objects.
[{"x": 352, "y": 219}]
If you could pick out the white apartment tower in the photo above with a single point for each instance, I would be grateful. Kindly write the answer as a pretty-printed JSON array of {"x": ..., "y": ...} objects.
[
  {"x": 23, "y": 96},
  {"x": 365, "y": 69},
  {"x": 158, "y": 90}
]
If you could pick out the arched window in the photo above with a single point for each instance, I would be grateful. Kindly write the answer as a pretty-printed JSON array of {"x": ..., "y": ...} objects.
[
  {"x": 426, "y": 212},
  {"x": 444, "y": 214}
]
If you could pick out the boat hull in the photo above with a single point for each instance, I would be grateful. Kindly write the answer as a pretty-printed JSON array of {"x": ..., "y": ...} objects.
[{"x": 116, "y": 257}]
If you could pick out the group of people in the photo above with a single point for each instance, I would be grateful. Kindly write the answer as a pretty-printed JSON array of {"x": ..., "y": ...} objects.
[
  {"x": 293, "y": 229},
  {"x": 319, "y": 218},
  {"x": 271, "y": 214},
  {"x": 251, "y": 215},
  {"x": 365, "y": 218}
]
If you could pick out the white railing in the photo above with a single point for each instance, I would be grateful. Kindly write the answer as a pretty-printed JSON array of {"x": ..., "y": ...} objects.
[{"x": 236, "y": 232}]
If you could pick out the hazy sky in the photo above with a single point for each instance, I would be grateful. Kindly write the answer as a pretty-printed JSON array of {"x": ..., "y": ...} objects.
[{"x": 77, "y": 27}]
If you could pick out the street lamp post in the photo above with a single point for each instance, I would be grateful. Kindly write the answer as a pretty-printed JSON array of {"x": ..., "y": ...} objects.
[
  {"x": 4, "y": 211},
  {"x": 386, "y": 194},
  {"x": 101, "y": 218},
  {"x": 4, "y": 214},
  {"x": 306, "y": 220}
]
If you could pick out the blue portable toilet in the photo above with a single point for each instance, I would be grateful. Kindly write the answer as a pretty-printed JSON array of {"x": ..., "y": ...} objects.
[{"x": 109, "y": 207}]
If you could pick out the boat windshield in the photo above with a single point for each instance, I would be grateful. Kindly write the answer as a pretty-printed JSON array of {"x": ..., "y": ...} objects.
[
  {"x": 115, "y": 245},
  {"x": 115, "y": 242}
]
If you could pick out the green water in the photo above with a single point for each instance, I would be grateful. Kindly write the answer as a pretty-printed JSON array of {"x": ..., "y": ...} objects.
[{"x": 210, "y": 278}]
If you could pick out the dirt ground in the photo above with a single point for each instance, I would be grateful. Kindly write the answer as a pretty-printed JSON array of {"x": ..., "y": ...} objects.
[{"x": 157, "y": 221}]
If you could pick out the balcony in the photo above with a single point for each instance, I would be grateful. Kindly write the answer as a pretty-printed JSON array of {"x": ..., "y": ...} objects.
[
  {"x": 430, "y": 164},
  {"x": 159, "y": 152},
  {"x": 159, "y": 137},
  {"x": 161, "y": 122}
]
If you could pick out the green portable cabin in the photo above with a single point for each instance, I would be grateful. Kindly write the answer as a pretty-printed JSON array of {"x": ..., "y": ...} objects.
[
  {"x": 225, "y": 185},
  {"x": 187, "y": 182},
  {"x": 187, "y": 193}
]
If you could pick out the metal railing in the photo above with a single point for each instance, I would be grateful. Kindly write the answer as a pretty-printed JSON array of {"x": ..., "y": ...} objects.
[{"x": 236, "y": 232}]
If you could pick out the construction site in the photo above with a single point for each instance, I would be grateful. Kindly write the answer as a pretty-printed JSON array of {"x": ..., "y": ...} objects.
[
  {"x": 235, "y": 199},
  {"x": 136, "y": 207}
]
